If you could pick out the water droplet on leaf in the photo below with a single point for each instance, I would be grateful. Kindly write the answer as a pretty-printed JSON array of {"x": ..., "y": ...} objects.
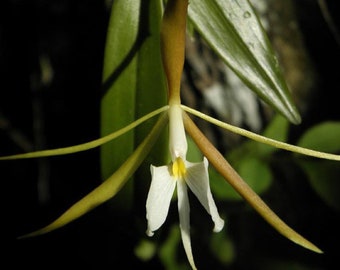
[{"x": 246, "y": 15}]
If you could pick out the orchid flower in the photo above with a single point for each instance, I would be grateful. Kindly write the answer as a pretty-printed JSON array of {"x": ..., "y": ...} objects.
[{"x": 180, "y": 173}]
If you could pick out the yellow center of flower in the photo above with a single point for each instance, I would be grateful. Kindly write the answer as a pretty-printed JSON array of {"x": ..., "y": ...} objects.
[{"x": 178, "y": 168}]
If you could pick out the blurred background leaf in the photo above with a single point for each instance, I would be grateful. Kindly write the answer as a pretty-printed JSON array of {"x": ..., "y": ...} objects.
[
  {"x": 223, "y": 248},
  {"x": 252, "y": 161},
  {"x": 324, "y": 176},
  {"x": 168, "y": 251},
  {"x": 322, "y": 137}
]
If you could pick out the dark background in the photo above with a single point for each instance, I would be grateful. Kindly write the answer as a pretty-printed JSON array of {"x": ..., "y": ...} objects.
[{"x": 37, "y": 114}]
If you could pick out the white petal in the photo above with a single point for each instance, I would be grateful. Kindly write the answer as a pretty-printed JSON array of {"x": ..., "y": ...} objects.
[
  {"x": 197, "y": 178},
  {"x": 184, "y": 220},
  {"x": 177, "y": 138},
  {"x": 159, "y": 197}
]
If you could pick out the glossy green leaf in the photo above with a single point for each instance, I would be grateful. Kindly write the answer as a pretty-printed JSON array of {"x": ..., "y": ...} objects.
[
  {"x": 234, "y": 32},
  {"x": 133, "y": 80},
  {"x": 119, "y": 82},
  {"x": 151, "y": 91},
  {"x": 150, "y": 94}
]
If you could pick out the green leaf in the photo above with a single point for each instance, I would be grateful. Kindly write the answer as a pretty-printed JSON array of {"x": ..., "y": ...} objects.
[
  {"x": 119, "y": 82},
  {"x": 234, "y": 32},
  {"x": 169, "y": 248},
  {"x": 133, "y": 80},
  {"x": 277, "y": 130},
  {"x": 324, "y": 178},
  {"x": 151, "y": 83},
  {"x": 151, "y": 94},
  {"x": 323, "y": 175},
  {"x": 223, "y": 248},
  {"x": 194, "y": 154},
  {"x": 322, "y": 137},
  {"x": 145, "y": 250},
  {"x": 255, "y": 172}
]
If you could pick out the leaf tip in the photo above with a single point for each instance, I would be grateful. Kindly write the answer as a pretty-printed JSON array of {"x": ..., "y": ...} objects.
[
  {"x": 306, "y": 244},
  {"x": 293, "y": 116}
]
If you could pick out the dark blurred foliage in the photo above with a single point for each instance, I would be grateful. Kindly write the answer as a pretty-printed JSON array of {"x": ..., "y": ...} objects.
[{"x": 39, "y": 113}]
